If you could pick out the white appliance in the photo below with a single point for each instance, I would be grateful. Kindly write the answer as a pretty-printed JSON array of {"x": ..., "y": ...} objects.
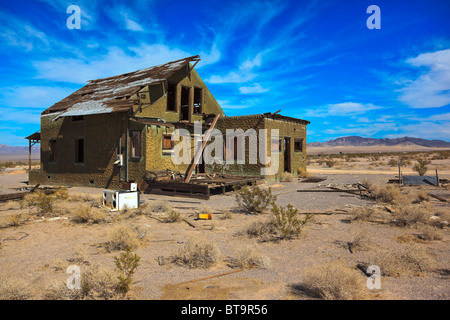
[{"x": 120, "y": 200}]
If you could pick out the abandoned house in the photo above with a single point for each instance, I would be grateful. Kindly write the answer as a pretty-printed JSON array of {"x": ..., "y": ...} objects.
[{"x": 120, "y": 129}]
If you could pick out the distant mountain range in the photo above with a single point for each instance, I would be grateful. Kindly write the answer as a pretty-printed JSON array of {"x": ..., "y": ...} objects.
[
  {"x": 356, "y": 141},
  {"x": 11, "y": 150}
]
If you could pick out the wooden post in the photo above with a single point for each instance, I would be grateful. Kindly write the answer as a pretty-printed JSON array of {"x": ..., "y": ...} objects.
[
  {"x": 29, "y": 155},
  {"x": 437, "y": 178},
  {"x": 200, "y": 151}
]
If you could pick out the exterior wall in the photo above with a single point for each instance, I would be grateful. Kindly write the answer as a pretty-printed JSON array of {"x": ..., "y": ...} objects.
[
  {"x": 101, "y": 134},
  {"x": 285, "y": 129},
  {"x": 292, "y": 130}
]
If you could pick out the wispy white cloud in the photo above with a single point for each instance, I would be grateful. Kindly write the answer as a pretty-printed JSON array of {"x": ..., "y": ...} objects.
[
  {"x": 432, "y": 88},
  {"x": 243, "y": 74},
  {"x": 125, "y": 18},
  {"x": 39, "y": 97},
  {"x": 255, "y": 88},
  {"x": 17, "y": 32},
  {"x": 115, "y": 61},
  {"x": 344, "y": 109}
]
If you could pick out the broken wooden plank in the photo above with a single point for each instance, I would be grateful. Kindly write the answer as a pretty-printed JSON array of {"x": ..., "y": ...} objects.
[
  {"x": 200, "y": 151},
  {"x": 210, "y": 277}
]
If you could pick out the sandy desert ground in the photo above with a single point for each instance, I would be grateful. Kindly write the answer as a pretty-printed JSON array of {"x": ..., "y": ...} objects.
[{"x": 346, "y": 234}]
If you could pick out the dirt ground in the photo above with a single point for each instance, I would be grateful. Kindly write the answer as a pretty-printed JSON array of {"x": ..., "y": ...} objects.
[{"x": 38, "y": 250}]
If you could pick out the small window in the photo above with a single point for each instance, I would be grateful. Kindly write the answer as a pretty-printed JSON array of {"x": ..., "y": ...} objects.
[
  {"x": 198, "y": 98},
  {"x": 135, "y": 144},
  {"x": 79, "y": 150},
  {"x": 52, "y": 157},
  {"x": 77, "y": 118},
  {"x": 172, "y": 97},
  {"x": 298, "y": 145},
  {"x": 167, "y": 142}
]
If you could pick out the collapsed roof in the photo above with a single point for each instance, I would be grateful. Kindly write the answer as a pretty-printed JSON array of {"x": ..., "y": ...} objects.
[{"x": 113, "y": 94}]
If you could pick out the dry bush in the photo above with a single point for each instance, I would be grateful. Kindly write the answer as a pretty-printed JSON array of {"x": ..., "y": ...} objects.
[
  {"x": 253, "y": 199},
  {"x": 61, "y": 194},
  {"x": 302, "y": 173},
  {"x": 227, "y": 215},
  {"x": 385, "y": 194},
  {"x": 86, "y": 214},
  {"x": 411, "y": 215},
  {"x": 12, "y": 205},
  {"x": 160, "y": 206},
  {"x": 249, "y": 258},
  {"x": 198, "y": 252},
  {"x": 41, "y": 201},
  {"x": 409, "y": 259},
  {"x": 124, "y": 237},
  {"x": 85, "y": 197},
  {"x": 96, "y": 284},
  {"x": 366, "y": 213},
  {"x": 359, "y": 241},
  {"x": 12, "y": 288},
  {"x": 286, "y": 176},
  {"x": 334, "y": 281},
  {"x": 172, "y": 216},
  {"x": 429, "y": 233},
  {"x": 286, "y": 222},
  {"x": 264, "y": 230}
]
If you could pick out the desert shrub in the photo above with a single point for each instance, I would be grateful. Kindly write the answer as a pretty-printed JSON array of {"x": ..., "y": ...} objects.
[
  {"x": 386, "y": 193},
  {"x": 260, "y": 229},
  {"x": 365, "y": 213},
  {"x": 160, "y": 206},
  {"x": 123, "y": 237},
  {"x": 359, "y": 241},
  {"x": 11, "y": 204},
  {"x": 96, "y": 284},
  {"x": 330, "y": 163},
  {"x": 429, "y": 233},
  {"x": 249, "y": 258},
  {"x": 172, "y": 216},
  {"x": 253, "y": 199},
  {"x": 302, "y": 173},
  {"x": 409, "y": 259},
  {"x": 198, "y": 252},
  {"x": 421, "y": 166},
  {"x": 86, "y": 214},
  {"x": 411, "y": 215},
  {"x": 61, "y": 194},
  {"x": 286, "y": 222},
  {"x": 286, "y": 176},
  {"x": 126, "y": 265},
  {"x": 12, "y": 288},
  {"x": 333, "y": 281}
]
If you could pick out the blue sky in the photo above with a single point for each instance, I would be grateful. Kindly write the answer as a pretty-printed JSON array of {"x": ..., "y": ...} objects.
[{"x": 315, "y": 60}]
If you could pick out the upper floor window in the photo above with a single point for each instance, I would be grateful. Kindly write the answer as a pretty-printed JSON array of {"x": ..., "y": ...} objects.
[
  {"x": 198, "y": 98},
  {"x": 172, "y": 97}
]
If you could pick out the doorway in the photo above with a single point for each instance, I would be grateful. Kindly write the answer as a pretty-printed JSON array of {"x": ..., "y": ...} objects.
[{"x": 287, "y": 154}]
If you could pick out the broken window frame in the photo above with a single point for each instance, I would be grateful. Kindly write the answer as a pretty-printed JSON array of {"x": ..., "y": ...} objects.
[
  {"x": 172, "y": 97},
  {"x": 298, "y": 145},
  {"x": 197, "y": 108},
  {"x": 166, "y": 149},
  {"x": 53, "y": 150},
  {"x": 135, "y": 144}
]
